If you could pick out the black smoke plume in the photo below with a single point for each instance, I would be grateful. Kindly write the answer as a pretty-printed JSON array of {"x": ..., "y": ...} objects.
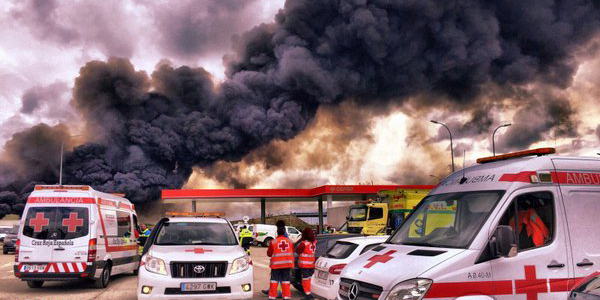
[{"x": 147, "y": 132}]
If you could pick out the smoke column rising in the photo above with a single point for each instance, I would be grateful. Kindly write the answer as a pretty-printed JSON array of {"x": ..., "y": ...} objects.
[{"x": 146, "y": 132}]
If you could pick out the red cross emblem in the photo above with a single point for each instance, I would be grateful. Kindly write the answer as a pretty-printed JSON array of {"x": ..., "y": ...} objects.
[
  {"x": 198, "y": 250},
  {"x": 72, "y": 222},
  {"x": 380, "y": 259},
  {"x": 312, "y": 248},
  {"x": 39, "y": 222},
  {"x": 283, "y": 245},
  {"x": 531, "y": 285}
]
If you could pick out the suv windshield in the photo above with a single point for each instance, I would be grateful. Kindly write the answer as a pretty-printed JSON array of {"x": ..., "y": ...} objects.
[
  {"x": 195, "y": 233},
  {"x": 447, "y": 220},
  {"x": 56, "y": 223},
  {"x": 358, "y": 213}
]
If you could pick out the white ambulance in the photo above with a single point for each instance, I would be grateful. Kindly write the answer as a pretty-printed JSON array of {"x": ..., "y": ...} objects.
[
  {"x": 75, "y": 232},
  {"x": 516, "y": 226}
]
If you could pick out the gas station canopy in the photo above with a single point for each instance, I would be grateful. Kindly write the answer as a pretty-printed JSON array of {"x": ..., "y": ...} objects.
[{"x": 328, "y": 192}]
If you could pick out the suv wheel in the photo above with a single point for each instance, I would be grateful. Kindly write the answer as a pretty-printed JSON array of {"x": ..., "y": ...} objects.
[
  {"x": 4, "y": 250},
  {"x": 35, "y": 284}
]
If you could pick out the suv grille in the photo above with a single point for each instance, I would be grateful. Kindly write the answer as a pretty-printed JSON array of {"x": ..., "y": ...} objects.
[
  {"x": 366, "y": 291},
  {"x": 198, "y": 269}
]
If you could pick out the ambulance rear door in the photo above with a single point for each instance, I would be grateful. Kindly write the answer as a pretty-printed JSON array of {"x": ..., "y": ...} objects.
[
  {"x": 579, "y": 181},
  {"x": 35, "y": 234},
  {"x": 72, "y": 234}
]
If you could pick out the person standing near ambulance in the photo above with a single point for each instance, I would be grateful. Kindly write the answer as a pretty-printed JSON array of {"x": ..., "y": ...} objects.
[
  {"x": 306, "y": 260},
  {"x": 281, "y": 251},
  {"x": 245, "y": 239}
]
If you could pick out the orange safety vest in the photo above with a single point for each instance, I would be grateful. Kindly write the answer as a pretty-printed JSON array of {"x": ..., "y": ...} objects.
[
  {"x": 283, "y": 253},
  {"x": 535, "y": 227},
  {"x": 306, "y": 260}
]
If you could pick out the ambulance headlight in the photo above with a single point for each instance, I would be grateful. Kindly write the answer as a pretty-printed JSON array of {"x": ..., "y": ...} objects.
[
  {"x": 240, "y": 264},
  {"x": 154, "y": 265},
  {"x": 412, "y": 289}
]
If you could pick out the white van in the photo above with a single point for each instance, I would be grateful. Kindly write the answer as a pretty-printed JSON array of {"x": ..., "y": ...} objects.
[
  {"x": 75, "y": 232},
  {"x": 263, "y": 234},
  {"x": 512, "y": 227}
]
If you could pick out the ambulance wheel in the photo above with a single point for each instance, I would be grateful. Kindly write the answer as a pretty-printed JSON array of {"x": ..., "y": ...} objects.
[
  {"x": 35, "y": 284},
  {"x": 267, "y": 242},
  {"x": 102, "y": 282}
]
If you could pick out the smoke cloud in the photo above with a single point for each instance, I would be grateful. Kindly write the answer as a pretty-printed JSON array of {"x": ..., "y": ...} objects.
[{"x": 148, "y": 132}]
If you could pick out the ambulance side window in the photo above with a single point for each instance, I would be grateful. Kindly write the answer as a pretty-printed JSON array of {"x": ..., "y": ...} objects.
[
  {"x": 535, "y": 219},
  {"x": 123, "y": 224}
]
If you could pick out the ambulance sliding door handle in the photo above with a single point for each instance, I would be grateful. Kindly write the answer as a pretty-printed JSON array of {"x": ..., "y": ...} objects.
[
  {"x": 585, "y": 263},
  {"x": 555, "y": 265}
]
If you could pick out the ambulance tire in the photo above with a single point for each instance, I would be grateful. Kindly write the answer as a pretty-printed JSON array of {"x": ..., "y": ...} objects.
[
  {"x": 35, "y": 284},
  {"x": 102, "y": 282},
  {"x": 267, "y": 242}
]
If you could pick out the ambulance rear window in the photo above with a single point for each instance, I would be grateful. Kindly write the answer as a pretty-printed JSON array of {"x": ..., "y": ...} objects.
[
  {"x": 56, "y": 223},
  {"x": 341, "y": 250}
]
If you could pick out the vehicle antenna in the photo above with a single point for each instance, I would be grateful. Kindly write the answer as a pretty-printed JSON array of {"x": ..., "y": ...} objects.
[{"x": 463, "y": 179}]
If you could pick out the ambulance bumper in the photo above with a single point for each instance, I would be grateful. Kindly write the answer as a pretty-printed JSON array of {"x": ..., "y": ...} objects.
[
  {"x": 88, "y": 273},
  {"x": 166, "y": 287}
]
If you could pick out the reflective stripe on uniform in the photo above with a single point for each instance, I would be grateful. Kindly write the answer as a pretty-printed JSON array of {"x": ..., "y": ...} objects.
[{"x": 282, "y": 262}]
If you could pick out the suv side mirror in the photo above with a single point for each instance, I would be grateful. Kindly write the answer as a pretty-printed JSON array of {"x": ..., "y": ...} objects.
[{"x": 504, "y": 241}]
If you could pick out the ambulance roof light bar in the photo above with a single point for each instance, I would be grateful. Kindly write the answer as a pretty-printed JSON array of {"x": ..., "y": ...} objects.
[
  {"x": 532, "y": 152},
  {"x": 62, "y": 187},
  {"x": 192, "y": 214}
]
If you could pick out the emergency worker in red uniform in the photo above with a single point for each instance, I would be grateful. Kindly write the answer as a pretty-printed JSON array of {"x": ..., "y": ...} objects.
[
  {"x": 281, "y": 251},
  {"x": 306, "y": 259}
]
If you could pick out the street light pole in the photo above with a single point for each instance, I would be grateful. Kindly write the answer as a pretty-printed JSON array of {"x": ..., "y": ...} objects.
[
  {"x": 62, "y": 146},
  {"x": 494, "y": 134},
  {"x": 451, "y": 147}
]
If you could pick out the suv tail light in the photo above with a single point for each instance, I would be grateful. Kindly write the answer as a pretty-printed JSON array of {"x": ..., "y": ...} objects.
[
  {"x": 336, "y": 269},
  {"x": 92, "y": 250},
  {"x": 17, "y": 246}
]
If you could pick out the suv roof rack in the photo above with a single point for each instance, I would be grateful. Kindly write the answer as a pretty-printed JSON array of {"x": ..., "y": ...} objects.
[{"x": 192, "y": 214}]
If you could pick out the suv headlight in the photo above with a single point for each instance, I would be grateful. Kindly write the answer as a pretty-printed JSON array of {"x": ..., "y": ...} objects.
[
  {"x": 412, "y": 289},
  {"x": 154, "y": 265},
  {"x": 240, "y": 264}
]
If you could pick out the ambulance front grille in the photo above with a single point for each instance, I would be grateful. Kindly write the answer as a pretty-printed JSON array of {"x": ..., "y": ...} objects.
[
  {"x": 198, "y": 269},
  {"x": 366, "y": 291}
]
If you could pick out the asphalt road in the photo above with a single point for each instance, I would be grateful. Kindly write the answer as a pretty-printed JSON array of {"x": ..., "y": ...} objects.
[{"x": 120, "y": 287}]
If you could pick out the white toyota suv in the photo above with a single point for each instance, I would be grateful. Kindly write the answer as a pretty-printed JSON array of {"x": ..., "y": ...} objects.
[{"x": 194, "y": 257}]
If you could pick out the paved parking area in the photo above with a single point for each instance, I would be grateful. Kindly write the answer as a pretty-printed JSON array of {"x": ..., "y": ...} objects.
[{"x": 121, "y": 286}]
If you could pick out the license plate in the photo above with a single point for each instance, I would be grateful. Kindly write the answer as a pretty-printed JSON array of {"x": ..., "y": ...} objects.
[
  {"x": 30, "y": 268},
  {"x": 198, "y": 286},
  {"x": 322, "y": 275}
]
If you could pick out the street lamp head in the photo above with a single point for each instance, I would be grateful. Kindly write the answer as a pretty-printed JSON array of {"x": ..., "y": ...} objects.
[
  {"x": 506, "y": 125},
  {"x": 434, "y": 122}
]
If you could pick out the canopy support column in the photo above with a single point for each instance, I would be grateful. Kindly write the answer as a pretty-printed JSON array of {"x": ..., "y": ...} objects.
[
  {"x": 263, "y": 210},
  {"x": 193, "y": 205},
  {"x": 320, "y": 215}
]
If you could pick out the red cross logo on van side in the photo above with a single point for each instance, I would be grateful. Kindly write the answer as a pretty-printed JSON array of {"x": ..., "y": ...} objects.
[
  {"x": 39, "y": 222},
  {"x": 198, "y": 250},
  {"x": 531, "y": 285},
  {"x": 380, "y": 259},
  {"x": 72, "y": 222},
  {"x": 283, "y": 245}
]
